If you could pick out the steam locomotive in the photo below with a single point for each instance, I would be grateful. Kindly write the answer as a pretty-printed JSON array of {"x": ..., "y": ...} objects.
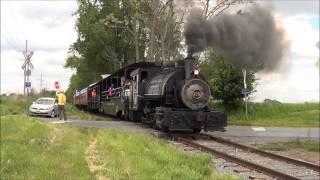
[{"x": 171, "y": 97}]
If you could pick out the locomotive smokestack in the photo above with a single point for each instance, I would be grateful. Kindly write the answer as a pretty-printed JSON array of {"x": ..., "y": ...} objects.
[
  {"x": 188, "y": 66},
  {"x": 189, "y": 55}
]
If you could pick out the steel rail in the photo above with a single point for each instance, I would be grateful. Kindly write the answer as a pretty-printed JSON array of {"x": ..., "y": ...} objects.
[
  {"x": 250, "y": 165},
  {"x": 312, "y": 166}
]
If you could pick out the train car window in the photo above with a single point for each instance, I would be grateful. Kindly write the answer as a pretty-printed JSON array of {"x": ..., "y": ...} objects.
[
  {"x": 144, "y": 75},
  {"x": 108, "y": 83}
]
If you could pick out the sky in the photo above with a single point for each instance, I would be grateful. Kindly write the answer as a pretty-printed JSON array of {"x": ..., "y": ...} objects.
[{"x": 49, "y": 28}]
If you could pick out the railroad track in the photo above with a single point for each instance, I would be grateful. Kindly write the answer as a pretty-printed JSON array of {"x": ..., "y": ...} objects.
[{"x": 250, "y": 151}]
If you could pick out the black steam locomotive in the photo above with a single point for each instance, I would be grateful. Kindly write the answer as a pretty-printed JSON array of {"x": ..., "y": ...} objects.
[{"x": 172, "y": 97}]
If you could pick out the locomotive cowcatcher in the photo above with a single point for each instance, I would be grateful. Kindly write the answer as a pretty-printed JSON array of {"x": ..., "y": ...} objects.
[{"x": 171, "y": 97}]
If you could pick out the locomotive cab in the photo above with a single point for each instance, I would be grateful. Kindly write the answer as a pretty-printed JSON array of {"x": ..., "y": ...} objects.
[{"x": 138, "y": 80}]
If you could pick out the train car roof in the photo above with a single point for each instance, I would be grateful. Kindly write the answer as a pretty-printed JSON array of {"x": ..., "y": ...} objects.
[
  {"x": 103, "y": 76},
  {"x": 121, "y": 71}
]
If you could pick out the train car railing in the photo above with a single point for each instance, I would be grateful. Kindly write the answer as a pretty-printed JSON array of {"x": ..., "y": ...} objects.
[{"x": 115, "y": 93}]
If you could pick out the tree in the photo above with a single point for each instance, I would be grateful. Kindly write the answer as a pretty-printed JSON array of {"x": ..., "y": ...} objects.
[
  {"x": 114, "y": 33},
  {"x": 164, "y": 31},
  {"x": 108, "y": 38},
  {"x": 226, "y": 81}
]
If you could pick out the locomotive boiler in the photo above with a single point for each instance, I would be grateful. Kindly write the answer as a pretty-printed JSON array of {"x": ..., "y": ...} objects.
[{"x": 170, "y": 97}]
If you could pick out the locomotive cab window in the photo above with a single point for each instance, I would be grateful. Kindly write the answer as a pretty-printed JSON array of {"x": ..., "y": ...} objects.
[{"x": 134, "y": 78}]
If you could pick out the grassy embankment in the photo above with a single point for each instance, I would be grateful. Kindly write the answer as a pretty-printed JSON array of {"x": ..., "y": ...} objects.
[
  {"x": 311, "y": 146},
  {"x": 31, "y": 149},
  {"x": 273, "y": 114},
  {"x": 260, "y": 114},
  {"x": 16, "y": 105}
]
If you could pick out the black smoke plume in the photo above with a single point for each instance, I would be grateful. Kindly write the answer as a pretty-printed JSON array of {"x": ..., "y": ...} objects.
[{"x": 248, "y": 39}]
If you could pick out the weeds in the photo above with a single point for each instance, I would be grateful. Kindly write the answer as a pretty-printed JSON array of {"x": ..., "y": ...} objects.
[
  {"x": 308, "y": 145},
  {"x": 275, "y": 114}
]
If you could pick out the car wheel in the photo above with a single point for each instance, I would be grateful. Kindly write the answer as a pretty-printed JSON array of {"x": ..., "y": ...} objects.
[{"x": 52, "y": 114}]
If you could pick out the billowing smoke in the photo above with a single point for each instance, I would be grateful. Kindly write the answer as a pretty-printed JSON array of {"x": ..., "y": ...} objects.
[{"x": 248, "y": 39}]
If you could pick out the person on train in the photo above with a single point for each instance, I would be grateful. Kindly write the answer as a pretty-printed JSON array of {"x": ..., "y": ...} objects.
[
  {"x": 93, "y": 93},
  {"x": 110, "y": 90}
]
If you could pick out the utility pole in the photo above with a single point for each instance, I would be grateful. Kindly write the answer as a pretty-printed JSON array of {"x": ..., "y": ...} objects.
[
  {"x": 27, "y": 66},
  {"x": 41, "y": 83},
  {"x": 245, "y": 91}
]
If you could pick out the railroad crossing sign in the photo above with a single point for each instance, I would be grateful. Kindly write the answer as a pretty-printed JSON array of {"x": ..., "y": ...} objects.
[
  {"x": 245, "y": 91},
  {"x": 28, "y": 84},
  {"x": 56, "y": 85}
]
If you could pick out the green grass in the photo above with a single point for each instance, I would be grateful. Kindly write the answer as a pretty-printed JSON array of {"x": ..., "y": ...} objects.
[
  {"x": 27, "y": 151},
  {"x": 312, "y": 146},
  {"x": 75, "y": 113},
  {"x": 13, "y": 105},
  {"x": 273, "y": 114},
  {"x": 16, "y": 105},
  {"x": 31, "y": 149}
]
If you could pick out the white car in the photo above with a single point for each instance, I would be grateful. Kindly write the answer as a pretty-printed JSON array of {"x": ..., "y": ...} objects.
[{"x": 44, "y": 106}]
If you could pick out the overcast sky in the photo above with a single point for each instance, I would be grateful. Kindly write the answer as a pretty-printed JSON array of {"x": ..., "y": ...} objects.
[{"x": 49, "y": 28}]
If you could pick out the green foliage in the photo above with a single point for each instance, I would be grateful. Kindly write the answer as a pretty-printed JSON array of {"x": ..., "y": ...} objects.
[
  {"x": 75, "y": 113},
  {"x": 274, "y": 114},
  {"x": 226, "y": 81},
  {"x": 103, "y": 42},
  {"x": 47, "y": 151},
  {"x": 13, "y": 105},
  {"x": 112, "y": 34},
  {"x": 308, "y": 145}
]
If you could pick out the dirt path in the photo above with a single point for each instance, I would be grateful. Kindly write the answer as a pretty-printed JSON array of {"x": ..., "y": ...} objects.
[
  {"x": 94, "y": 162},
  {"x": 55, "y": 133}
]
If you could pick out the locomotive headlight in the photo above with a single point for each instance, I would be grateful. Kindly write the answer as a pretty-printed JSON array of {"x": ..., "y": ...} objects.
[{"x": 196, "y": 72}]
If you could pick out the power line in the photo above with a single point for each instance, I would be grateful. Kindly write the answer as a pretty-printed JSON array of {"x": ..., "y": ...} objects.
[
  {"x": 8, "y": 41},
  {"x": 14, "y": 41},
  {"x": 12, "y": 46},
  {"x": 14, "y": 56},
  {"x": 17, "y": 21}
]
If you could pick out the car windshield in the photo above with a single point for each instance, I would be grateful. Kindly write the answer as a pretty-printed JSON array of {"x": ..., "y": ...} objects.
[{"x": 45, "y": 101}]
